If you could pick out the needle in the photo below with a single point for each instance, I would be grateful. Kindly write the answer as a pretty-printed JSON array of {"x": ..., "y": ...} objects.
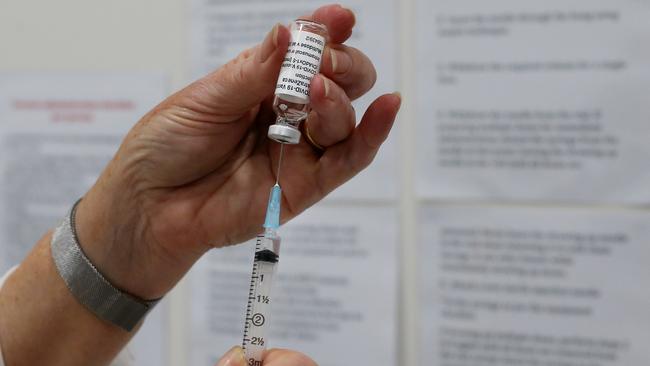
[{"x": 277, "y": 175}]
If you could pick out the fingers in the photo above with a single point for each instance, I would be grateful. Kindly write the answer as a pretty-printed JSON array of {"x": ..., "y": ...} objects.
[
  {"x": 332, "y": 118},
  {"x": 343, "y": 161},
  {"x": 346, "y": 66},
  {"x": 338, "y": 20},
  {"x": 242, "y": 83},
  {"x": 252, "y": 77},
  {"x": 283, "y": 357},
  {"x": 234, "y": 357},
  {"x": 350, "y": 68}
]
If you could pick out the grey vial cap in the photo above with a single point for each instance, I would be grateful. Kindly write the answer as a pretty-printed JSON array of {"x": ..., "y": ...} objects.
[{"x": 284, "y": 134}]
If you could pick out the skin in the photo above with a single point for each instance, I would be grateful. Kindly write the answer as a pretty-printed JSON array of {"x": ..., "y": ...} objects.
[
  {"x": 273, "y": 357},
  {"x": 192, "y": 175}
]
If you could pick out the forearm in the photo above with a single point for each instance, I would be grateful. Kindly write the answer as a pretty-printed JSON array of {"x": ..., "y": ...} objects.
[{"x": 41, "y": 323}]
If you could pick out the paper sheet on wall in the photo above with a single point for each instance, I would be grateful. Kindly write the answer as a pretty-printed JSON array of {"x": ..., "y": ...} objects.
[
  {"x": 57, "y": 132},
  {"x": 335, "y": 294},
  {"x": 534, "y": 100},
  {"x": 534, "y": 286},
  {"x": 221, "y": 30}
]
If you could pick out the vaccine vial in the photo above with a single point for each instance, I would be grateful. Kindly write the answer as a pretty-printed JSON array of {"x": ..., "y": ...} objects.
[{"x": 301, "y": 63}]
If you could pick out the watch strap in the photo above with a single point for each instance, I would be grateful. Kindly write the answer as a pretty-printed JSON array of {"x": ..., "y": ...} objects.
[{"x": 88, "y": 285}]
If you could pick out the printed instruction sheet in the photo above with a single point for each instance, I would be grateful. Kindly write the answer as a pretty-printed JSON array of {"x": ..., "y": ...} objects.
[
  {"x": 535, "y": 101},
  {"x": 534, "y": 286}
]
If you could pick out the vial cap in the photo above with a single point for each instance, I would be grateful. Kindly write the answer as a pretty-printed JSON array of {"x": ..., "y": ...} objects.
[{"x": 284, "y": 134}]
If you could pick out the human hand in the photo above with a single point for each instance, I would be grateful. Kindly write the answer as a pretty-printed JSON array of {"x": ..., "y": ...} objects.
[
  {"x": 273, "y": 357},
  {"x": 196, "y": 171}
]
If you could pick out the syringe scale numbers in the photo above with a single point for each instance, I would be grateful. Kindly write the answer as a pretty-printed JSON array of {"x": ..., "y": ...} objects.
[
  {"x": 259, "y": 298},
  {"x": 258, "y": 309}
]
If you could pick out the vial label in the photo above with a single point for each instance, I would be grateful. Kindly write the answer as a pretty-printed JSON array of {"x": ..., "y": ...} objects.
[{"x": 300, "y": 65}]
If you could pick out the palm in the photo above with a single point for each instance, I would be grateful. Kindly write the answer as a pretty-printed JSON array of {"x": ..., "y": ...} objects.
[{"x": 220, "y": 174}]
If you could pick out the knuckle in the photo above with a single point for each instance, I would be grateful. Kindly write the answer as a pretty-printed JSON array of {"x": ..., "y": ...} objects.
[
  {"x": 361, "y": 59},
  {"x": 247, "y": 53},
  {"x": 363, "y": 74},
  {"x": 369, "y": 73},
  {"x": 348, "y": 120},
  {"x": 373, "y": 76},
  {"x": 237, "y": 66}
]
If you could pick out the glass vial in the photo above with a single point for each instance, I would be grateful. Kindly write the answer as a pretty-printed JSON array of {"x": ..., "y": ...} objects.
[{"x": 301, "y": 63}]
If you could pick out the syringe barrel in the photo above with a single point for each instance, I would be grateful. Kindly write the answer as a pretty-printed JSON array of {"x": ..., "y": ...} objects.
[
  {"x": 270, "y": 241},
  {"x": 267, "y": 255}
]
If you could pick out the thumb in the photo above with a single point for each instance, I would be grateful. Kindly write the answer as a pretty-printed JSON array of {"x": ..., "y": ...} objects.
[
  {"x": 234, "y": 357},
  {"x": 247, "y": 80}
]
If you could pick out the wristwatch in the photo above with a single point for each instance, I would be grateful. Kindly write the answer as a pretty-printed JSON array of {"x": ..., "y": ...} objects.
[{"x": 88, "y": 285}]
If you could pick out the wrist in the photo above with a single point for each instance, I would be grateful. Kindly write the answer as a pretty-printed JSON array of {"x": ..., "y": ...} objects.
[{"x": 114, "y": 233}]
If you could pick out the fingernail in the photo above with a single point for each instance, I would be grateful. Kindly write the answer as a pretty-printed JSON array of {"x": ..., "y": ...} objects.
[
  {"x": 399, "y": 96},
  {"x": 270, "y": 43},
  {"x": 341, "y": 61},
  {"x": 276, "y": 30},
  {"x": 234, "y": 357},
  {"x": 326, "y": 84}
]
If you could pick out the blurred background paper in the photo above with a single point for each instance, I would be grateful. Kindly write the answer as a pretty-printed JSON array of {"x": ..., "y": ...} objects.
[
  {"x": 537, "y": 285},
  {"x": 57, "y": 132},
  {"x": 534, "y": 101}
]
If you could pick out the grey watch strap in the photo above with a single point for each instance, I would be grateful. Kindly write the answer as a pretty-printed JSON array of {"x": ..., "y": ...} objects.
[{"x": 88, "y": 285}]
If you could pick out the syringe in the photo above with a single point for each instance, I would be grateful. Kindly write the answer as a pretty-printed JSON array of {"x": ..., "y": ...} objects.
[
  {"x": 291, "y": 104},
  {"x": 267, "y": 254}
]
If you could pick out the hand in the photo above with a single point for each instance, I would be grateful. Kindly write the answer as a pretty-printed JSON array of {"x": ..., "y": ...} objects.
[
  {"x": 196, "y": 171},
  {"x": 274, "y": 357}
]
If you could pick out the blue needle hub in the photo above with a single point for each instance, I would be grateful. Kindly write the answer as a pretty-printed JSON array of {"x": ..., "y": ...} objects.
[{"x": 273, "y": 209}]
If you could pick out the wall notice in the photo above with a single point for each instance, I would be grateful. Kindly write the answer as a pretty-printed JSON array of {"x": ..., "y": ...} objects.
[
  {"x": 534, "y": 286},
  {"x": 535, "y": 101}
]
